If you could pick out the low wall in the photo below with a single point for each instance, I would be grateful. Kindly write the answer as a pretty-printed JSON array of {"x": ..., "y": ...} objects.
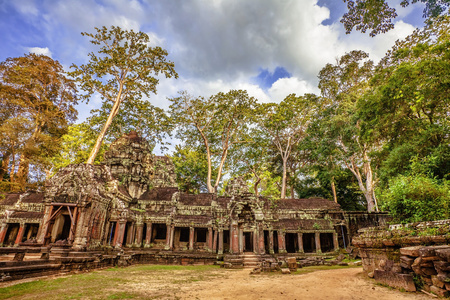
[{"x": 410, "y": 257}]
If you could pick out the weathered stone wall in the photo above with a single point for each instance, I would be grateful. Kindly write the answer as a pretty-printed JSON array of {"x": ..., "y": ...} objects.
[{"x": 408, "y": 256}]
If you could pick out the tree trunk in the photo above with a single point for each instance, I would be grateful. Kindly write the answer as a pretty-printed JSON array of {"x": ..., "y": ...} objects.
[
  {"x": 283, "y": 180},
  {"x": 258, "y": 180},
  {"x": 333, "y": 189},
  {"x": 22, "y": 172},
  {"x": 5, "y": 164},
  {"x": 102, "y": 134},
  {"x": 368, "y": 189}
]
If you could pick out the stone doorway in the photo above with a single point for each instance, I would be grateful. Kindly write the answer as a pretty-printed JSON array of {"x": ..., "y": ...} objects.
[{"x": 248, "y": 241}]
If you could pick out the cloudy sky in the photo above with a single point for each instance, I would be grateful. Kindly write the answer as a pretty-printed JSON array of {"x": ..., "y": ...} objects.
[{"x": 271, "y": 48}]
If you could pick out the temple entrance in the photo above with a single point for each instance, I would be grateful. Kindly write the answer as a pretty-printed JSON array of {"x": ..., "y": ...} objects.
[
  {"x": 11, "y": 234},
  {"x": 62, "y": 223},
  {"x": 248, "y": 241},
  {"x": 326, "y": 242},
  {"x": 309, "y": 242}
]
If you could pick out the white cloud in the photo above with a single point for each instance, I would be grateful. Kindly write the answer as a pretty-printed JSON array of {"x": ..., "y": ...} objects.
[
  {"x": 39, "y": 51},
  {"x": 286, "y": 86}
]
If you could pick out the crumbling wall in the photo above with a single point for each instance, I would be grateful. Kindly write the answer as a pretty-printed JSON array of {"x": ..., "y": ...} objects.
[{"x": 409, "y": 257}]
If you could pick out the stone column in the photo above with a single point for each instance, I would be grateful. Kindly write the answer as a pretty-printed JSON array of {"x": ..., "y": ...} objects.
[
  {"x": 191, "y": 238},
  {"x": 172, "y": 233},
  {"x": 234, "y": 239},
  {"x": 214, "y": 246},
  {"x": 241, "y": 240},
  {"x": 335, "y": 241},
  {"x": 3, "y": 231},
  {"x": 281, "y": 242},
  {"x": 148, "y": 234},
  {"x": 300, "y": 242},
  {"x": 210, "y": 239},
  {"x": 120, "y": 233},
  {"x": 318, "y": 247},
  {"x": 271, "y": 242},
  {"x": 255, "y": 241},
  {"x": 220, "y": 250},
  {"x": 130, "y": 236},
  {"x": 262, "y": 247},
  {"x": 139, "y": 234},
  {"x": 45, "y": 224},
  {"x": 168, "y": 237},
  {"x": 20, "y": 234}
]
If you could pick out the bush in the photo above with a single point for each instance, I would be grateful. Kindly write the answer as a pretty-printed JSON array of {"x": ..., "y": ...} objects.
[{"x": 416, "y": 198}]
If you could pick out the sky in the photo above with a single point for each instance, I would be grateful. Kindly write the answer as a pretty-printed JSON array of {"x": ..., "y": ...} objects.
[{"x": 271, "y": 48}]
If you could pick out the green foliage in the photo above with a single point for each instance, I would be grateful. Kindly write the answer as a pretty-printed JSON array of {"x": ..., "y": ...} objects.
[
  {"x": 191, "y": 168},
  {"x": 416, "y": 198},
  {"x": 125, "y": 69},
  {"x": 377, "y": 15}
]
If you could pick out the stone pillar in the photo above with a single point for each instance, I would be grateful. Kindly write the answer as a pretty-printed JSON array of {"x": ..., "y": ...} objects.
[
  {"x": 234, "y": 239},
  {"x": 130, "y": 235},
  {"x": 300, "y": 242},
  {"x": 168, "y": 237},
  {"x": 191, "y": 238},
  {"x": 3, "y": 231},
  {"x": 172, "y": 233},
  {"x": 81, "y": 231},
  {"x": 220, "y": 250},
  {"x": 318, "y": 247},
  {"x": 20, "y": 234},
  {"x": 335, "y": 241},
  {"x": 261, "y": 245},
  {"x": 148, "y": 234},
  {"x": 241, "y": 240},
  {"x": 281, "y": 242},
  {"x": 210, "y": 240},
  {"x": 255, "y": 241},
  {"x": 214, "y": 246},
  {"x": 45, "y": 224},
  {"x": 120, "y": 233},
  {"x": 271, "y": 242},
  {"x": 139, "y": 234}
]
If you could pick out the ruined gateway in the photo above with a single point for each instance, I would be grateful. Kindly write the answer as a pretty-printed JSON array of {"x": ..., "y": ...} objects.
[{"x": 129, "y": 207}]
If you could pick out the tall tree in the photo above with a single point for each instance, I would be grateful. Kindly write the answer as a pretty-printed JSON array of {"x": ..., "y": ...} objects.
[
  {"x": 377, "y": 15},
  {"x": 39, "y": 101},
  {"x": 339, "y": 126},
  {"x": 125, "y": 69},
  {"x": 286, "y": 123},
  {"x": 218, "y": 123}
]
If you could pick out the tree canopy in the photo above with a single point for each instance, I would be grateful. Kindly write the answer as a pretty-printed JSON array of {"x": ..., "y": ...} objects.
[{"x": 125, "y": 69}]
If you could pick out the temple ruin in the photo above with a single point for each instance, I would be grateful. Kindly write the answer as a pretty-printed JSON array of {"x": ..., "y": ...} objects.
[{"x": 129, "y": 210}]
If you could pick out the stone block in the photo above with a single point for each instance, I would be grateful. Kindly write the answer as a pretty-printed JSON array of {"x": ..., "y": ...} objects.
[
  {"x": 437, "y": 282},
  {"x": 429, "y": 271},
  {"x": 411, "y": 251},
  {"x": 438, "y": 291},
  {"x": 431, "y": 250},
  {"x": 285, "y": 271},
  {"x": 447, "y": 286},
  {"x": 441, "y": 265},
  {"x": 444, "y": 254},
  {"x": 400, "y": 281},
  {"x": 406, "y": 261}
]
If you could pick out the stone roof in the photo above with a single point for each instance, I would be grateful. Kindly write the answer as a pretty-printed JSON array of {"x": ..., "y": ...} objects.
[
  {"x": 29, "y": 197},
  {"x": 196, "y": 200},
  {"x": 305, "y": 224},
  {"x": 310, "y": 203},
  {"x": 27, "y": 215},
  {"x": 159, "y": 193}
]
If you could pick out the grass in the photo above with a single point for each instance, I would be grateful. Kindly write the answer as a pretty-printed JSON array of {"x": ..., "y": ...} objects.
[{"x": 135, "y": 282}]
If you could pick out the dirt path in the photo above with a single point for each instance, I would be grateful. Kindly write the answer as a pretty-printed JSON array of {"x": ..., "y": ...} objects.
[{"x": 330, "y": 284}]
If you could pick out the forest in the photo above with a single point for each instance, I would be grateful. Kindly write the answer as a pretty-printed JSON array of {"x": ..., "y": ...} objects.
[{"x": 376, "y": 138}]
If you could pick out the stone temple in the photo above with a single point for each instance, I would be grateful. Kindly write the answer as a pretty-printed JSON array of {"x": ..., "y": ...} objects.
[{"x": 129, "y": 210}]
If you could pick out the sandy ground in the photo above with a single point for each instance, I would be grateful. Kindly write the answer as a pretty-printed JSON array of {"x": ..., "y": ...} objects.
[{"x": 329, "y": 284}]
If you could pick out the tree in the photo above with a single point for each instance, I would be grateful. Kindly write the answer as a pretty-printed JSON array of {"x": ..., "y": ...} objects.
[
  {"x": 218, "y": 123},
  {"x": 339, "y": 126},
  {"x": 191, "y": 168},
  {"x": 285, "y": 124},
  {"x": 125, "y": 69},
  {"x": 37, "y": 104},
  {"x": 407, "y": 105},
  {"x": 377, "y": 15}
]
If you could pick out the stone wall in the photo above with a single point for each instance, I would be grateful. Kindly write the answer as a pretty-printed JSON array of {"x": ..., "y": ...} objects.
[{"x": 410, "y": 257}]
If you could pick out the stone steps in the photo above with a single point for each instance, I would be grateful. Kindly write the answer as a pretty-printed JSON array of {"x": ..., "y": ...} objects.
[{"x": 251, "y": 260}]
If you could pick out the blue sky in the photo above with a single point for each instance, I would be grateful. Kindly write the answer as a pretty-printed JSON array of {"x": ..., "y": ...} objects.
[{"x": 271, "y": 48}]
